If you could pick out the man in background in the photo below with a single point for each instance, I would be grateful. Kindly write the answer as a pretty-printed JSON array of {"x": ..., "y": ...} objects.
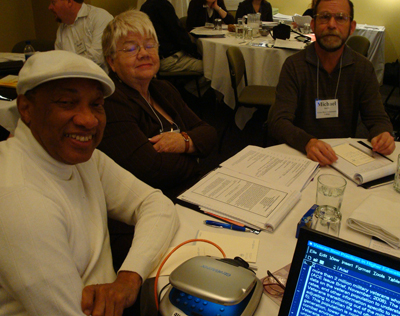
[
  {"x": 56, "y": 193},
  {"x": 177, "y": 51},
  {"x": 323, "y": 90},
  {"x": 81, "y": 28}
]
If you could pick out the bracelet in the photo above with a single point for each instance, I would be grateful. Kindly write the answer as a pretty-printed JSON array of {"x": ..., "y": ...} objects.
[
  {"x": 219, "y": 9},
  {"x": 186, "y": 138}
]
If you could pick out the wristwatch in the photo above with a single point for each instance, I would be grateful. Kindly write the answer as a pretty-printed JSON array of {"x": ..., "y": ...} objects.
[{"x": 186, "y": 138}]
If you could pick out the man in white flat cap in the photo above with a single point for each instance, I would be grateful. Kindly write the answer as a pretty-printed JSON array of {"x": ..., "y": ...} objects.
[
  {"x": 81, "y": 28},
  {"x": 56, "y": 192}
]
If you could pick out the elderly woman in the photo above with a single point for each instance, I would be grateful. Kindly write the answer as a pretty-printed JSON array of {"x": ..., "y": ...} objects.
[
  {"x": 255, "y": 6},
  {"x": 201, "y": 12},
  {"x": 150, "y": 130}
]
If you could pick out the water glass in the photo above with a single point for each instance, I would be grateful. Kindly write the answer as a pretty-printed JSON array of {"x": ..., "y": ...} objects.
[
  {"x": 239, "y": 30},
  {"x": 396, "y": 184},
  {"x": 327, "y": 217},
  {"x": 248, "y": 33},
  {"x": 218, "y": 24},
  {"x": 306, "y": 28}
]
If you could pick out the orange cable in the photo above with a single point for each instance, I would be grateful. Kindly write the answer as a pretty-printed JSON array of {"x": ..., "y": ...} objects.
[{"x": 169, "y": 255}]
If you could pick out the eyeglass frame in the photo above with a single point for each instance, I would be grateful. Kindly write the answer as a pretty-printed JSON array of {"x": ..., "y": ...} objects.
[
  {"x": 139, "y": 48},
  {"x": 346, "y": 17}
]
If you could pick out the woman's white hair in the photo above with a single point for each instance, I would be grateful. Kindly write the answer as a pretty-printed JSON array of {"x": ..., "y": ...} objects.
[{"x": 133, "y": 21}]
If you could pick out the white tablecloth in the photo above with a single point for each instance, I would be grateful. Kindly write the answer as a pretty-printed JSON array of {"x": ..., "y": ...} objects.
[
  {"x": 376, "y": 52},
  {"x": 9, "y": 115},
  {"x": 276, "y": 249},
  {"x": 263, "y": 66}
]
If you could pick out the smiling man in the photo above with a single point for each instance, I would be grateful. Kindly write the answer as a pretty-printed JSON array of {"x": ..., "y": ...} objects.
[
  {"x": 56, "y": 193},
  {"x": 81, "y": 28},
  {"x": 323, "y": 90}
]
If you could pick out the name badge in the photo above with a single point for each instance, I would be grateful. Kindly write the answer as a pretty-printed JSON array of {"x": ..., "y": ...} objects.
[
  {"x": 80, "y": 47},
  {"x": 326, "y": 108}
]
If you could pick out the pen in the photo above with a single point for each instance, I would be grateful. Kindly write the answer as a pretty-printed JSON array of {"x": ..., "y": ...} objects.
[
  {"x": 227, "y": 226},
  {"x": 366, "y": 145}
]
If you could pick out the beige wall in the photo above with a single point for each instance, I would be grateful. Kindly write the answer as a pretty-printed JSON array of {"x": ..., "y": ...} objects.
[
  {"x": 372, "y": 12},
  {"x": 17, "y": 23},
  {"x": 21, "y": 20}
]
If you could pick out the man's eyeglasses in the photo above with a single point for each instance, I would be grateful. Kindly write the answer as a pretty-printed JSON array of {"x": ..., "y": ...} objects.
[
  {"x": 274, "y": 285},
  {"x": 325, "y": 17},
  {"x": 133, "y": 48}
]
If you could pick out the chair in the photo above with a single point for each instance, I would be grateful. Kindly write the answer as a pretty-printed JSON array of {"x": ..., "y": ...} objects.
[
  {"x": 40, "y": 45},
  {"x": 183, "y": 21},
  {"x": 251, "y": 95},
  {"x": 359, "y": 44}
]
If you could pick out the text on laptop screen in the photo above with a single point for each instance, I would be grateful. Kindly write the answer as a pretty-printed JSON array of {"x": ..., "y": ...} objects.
[{"x": 332, "y": 282}]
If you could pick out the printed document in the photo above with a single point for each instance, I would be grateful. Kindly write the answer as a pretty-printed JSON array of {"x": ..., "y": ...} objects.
[
  {"x": 360, "y": 164},
  {"x": 243, "y": 198},
  {"x": 291, "y": 171}
]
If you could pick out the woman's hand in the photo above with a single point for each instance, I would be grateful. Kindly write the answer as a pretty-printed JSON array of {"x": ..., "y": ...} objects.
[{"x": 171, "y": 143}]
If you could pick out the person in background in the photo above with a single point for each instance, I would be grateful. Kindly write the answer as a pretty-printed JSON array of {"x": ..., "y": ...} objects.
[
  {"x": 177, "y": 51},
  {"x": 81, "y": 28},
  {"x": 150, "y": 130},
  {"x": 310, "y": 10},
  {"x": 201, "y": 12},
  {"x": 56, "y": 193},
  {"x": 323, "y": 90},
  {"x": 255, "y": 6}
]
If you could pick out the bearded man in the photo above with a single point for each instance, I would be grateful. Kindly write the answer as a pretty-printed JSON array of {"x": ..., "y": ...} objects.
[{"x": 324, "y": 89}]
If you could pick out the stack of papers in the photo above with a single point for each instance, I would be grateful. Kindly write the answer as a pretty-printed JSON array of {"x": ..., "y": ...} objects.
[
  {"x": 360, "y": 164},
  {"x": 377, "y": 217},
  {"x": 257, "y": 187},
  {"x": 9, "y": 81},
  {"x": 289, "y": 44},
  {"x": 207, "y": 32}
]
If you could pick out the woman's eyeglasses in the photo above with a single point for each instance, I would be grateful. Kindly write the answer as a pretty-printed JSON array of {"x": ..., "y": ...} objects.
[
  {"x": 133, "y": 48},
  {"x": 325, "y": 17},
  {"x": 274, "y": 285}
]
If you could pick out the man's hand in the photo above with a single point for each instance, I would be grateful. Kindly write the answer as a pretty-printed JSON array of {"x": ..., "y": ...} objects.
[
  {"x": 171, "y": 143},
  {"x": 320, "y": 152},
  {"x": 111, "y": 299},
  {"x": 383, "y": 143}
]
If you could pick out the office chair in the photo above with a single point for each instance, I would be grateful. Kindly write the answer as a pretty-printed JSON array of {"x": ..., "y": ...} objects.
[
  {"x": 359, "y": 44},
  {"x": 251, "y": 95},
  {"x": 40, "y": 45}
]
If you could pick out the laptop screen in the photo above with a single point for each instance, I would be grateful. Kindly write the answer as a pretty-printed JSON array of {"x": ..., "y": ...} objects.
[{"x": 330, "y": 276}]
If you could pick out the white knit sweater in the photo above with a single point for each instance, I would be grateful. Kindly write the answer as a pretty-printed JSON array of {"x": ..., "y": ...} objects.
[{"x": 53, "y": 226}]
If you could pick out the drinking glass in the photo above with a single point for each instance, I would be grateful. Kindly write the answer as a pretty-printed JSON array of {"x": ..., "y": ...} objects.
[
  {"x": 327, "y": 217},
  {"x": 239, "y": 30},
  {"x": 248, "y": 33}
]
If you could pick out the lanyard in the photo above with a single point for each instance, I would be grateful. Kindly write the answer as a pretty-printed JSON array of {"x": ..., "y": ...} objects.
[{"x": 337, "y": 85}]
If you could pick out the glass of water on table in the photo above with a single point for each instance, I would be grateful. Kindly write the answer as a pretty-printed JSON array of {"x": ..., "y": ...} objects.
[{"x": 327, "y": 217}]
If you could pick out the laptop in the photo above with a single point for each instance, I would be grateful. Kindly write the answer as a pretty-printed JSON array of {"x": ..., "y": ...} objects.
[{"x": 330, "y": 276}]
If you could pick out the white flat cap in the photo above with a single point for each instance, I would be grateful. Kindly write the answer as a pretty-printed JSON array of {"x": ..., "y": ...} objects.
[{"x": 60, "y": 64}]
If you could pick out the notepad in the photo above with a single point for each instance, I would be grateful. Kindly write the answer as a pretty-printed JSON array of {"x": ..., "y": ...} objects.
[{"x": 233, "y": 246}]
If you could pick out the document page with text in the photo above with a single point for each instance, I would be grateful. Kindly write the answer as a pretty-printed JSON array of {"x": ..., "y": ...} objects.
[
  {"x": 291, "y": 171},
  {"x": 243, "y": 198}
]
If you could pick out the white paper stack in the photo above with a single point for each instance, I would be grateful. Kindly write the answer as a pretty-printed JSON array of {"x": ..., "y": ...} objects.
[{"x": 378, "y": 217}]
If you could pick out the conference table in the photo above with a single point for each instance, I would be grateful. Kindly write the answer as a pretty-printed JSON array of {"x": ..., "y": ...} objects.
[{"x": 276, "y": 249}]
